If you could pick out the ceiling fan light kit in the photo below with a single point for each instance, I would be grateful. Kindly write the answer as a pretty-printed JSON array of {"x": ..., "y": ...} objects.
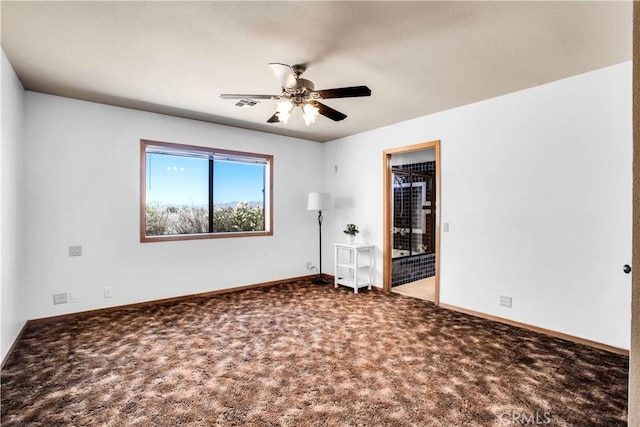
[
  {"x": 300, "y": 93},
  {"x": 283, "y": 111},
  {"x": 309, "y": 114}
]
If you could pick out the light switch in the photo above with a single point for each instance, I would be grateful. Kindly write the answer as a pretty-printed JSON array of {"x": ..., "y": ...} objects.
[{"x": 445, "y": 227}]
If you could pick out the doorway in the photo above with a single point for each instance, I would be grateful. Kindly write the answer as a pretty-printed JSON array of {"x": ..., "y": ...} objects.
[{"x": 411, "y": 220}]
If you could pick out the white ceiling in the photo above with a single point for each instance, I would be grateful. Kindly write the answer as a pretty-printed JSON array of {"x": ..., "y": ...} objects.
[{"x": 417, "y": 57}]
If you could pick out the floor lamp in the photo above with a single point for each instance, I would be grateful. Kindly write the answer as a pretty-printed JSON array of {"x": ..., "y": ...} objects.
[{"x": 319, "y": 202}]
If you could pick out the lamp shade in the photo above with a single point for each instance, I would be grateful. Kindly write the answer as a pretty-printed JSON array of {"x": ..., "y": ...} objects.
[{"x": 319, "y": 202}]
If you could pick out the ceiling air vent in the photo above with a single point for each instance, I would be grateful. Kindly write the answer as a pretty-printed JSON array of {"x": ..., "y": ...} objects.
[{"x": 246, "y": 103}]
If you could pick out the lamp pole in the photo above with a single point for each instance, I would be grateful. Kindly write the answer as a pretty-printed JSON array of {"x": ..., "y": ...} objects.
[
  {"x": 319, "y": 202},
  {"x": 320, "y": 280}
]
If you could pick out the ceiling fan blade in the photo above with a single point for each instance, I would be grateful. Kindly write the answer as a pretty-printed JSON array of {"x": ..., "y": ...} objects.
[
  {"x": 345, "y": 92},
  {"x": 247, "y": 96},
  {"x": 274, "y": 119},
  {"x": 284, "y": 74},
  {"x": 329, "y": 112}
]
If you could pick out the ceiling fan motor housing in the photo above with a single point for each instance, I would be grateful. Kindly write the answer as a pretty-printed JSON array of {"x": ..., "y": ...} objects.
[
  {"x": 302, "y": 86},
  {"x": 303, "y": 90}
]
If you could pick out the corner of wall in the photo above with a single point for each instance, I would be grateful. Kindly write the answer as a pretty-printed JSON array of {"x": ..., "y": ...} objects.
[{"x": 12, "y": 318}]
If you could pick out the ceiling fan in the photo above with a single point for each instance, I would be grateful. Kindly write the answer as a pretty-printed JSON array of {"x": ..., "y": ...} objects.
[{"x": 301, "y": 93}]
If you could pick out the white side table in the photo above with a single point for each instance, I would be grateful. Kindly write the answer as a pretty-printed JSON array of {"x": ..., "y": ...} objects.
[{"x": 353, "y": 265}]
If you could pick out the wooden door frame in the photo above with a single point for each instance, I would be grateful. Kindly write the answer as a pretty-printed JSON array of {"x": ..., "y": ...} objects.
[{"x": 387, "y": 214}]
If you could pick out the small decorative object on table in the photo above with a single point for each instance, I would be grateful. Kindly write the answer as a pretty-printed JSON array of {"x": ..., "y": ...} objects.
[{"x": 351, "y": 232}]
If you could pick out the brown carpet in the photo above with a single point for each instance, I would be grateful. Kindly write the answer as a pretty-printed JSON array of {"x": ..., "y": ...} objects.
[{"x": 297, "y": 354}]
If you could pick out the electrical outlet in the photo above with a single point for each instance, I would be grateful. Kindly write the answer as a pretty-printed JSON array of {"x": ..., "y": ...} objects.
[
  {"x": 309, "y": 265},
  {"x": 108, "y": 292},
  {"x": 75, "y": 250},
  {"x": 60, "y": 298},
  {"x": 505, "y": 301}
]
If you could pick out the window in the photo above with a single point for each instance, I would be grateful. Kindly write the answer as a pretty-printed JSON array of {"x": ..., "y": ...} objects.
[{"x": 189, "y": 192}]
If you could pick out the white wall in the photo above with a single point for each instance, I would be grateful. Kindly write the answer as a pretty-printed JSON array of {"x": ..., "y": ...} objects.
[
  {"x": 82, "y": 188},
  {"x": 12, "y": 317},
  {"x": 536, "y": 186}
]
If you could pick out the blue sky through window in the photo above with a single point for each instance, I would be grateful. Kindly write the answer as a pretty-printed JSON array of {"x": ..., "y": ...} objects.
[
  {"x": 180, "y": 180},
  {"x": 237, "y": 182}
]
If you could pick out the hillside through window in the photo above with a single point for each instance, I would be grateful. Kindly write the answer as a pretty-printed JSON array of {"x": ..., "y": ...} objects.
[{"x": 190, "y": 192}]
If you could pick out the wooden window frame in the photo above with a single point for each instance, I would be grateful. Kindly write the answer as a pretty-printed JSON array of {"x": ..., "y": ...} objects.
[{"x": 268, "y": 196}]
